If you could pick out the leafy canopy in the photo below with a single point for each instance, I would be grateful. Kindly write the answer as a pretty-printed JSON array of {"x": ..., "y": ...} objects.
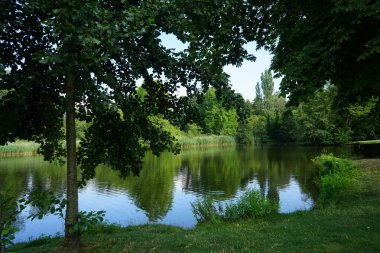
[
  {"x": 105, "y": 46},
  {"x": 318, "y": 41}
]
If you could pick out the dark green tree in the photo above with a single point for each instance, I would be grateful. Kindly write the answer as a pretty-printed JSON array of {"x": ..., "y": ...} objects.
[
  {"x": 217, "y": 119},
  {"x": 258, "y": 101},
  {"x": 316, "y": 41},
  {"x": 267, "y": 84},
  {"x": 317, "y": 121},
  {"x": 81, "y": 59}
]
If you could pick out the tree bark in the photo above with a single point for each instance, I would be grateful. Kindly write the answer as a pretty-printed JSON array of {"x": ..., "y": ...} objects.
[{"x": 72, "y": 235}]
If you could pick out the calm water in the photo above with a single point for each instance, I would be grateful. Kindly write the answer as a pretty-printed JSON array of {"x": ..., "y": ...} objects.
[{"x": 168, "y": 184}]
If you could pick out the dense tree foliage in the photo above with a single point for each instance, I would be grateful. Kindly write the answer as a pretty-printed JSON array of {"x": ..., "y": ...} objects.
[
  {"x": 317, "y": 41},
  {"x": 316, "y": 120},
  {"x": 82, "y": 58}
]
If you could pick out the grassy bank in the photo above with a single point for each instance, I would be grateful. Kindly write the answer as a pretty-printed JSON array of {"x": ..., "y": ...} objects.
[
  {"x": 19, "y": 148},
  {"x": 27, "y": 148},
  {"x": 366, "y": 142},
  {"x": 205, "y": 141},
  {"x": 349, "y": 225}
]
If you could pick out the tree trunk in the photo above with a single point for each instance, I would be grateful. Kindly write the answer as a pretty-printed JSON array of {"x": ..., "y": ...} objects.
[{"x": 72, "y": 236}]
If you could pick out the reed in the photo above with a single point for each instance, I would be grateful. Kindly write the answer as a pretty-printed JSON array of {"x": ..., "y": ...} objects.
[
  {"x": 205, "y": 141},
  {"x": 19, "y": 148}
]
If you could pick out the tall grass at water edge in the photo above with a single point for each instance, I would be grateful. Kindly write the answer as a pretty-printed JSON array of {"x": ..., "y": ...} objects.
[
  {"x": 252, "y": 204},
  {"x": 19, "y": 148},
  {"x": 205, "y": 140},
  {"x": 336, "y": 178}
]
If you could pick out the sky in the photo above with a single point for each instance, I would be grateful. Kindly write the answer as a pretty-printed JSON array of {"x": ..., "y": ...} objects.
[{"x": 244, "y": 78}]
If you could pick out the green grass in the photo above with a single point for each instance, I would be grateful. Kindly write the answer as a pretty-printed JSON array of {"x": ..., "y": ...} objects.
[
  {"x": 28, "y": 148},
  {"x": 206, "y": 140},
  {"x": 19, "y": 148},
  {"x": 353, "y": 225},
  {"x": 366, "y": 142}
]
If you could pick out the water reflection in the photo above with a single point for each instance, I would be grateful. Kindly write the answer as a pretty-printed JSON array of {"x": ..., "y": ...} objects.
[{"x": 168, "y": 184}]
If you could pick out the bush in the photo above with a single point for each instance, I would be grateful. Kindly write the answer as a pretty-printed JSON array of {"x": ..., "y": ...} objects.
[
  {"x": 252, "y": 204},
  {"x": 329, "y": 164},
  {"x": 9, "y": 210},
  {"x": 205, "y": 210},
  {"x": 332, "y": 186},
  {"x": 336, "y": 177}
]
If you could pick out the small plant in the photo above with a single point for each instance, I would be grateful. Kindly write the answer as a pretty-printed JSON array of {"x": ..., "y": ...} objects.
[
  {"x": 46, "y": 202},
  {"x": 205, "y": 210},
  {"x": 332, "y": 186},
  {"x": 9, "y": 209},
  {"x": 336, "y": 176},
  {"x": 329, "y": 164},
  {"x": 89, "y": 219},
  {"x": 252, "y": 204}
]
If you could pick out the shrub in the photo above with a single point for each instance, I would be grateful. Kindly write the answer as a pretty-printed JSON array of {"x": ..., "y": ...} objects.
[
  {"x": 252, "y": 204},
  {"x": 329, "y": 164},
  {"x": 9, "y": 209},
  {"x": 204, "y": 210},
  {"x": 332, "y": 186},
  {"x": 336, "y": 177}
]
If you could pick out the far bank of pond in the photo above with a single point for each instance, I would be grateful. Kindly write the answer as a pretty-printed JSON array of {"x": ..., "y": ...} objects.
[
  {"x": 352, "y": 225},
  {"x": 170, "y": 183}
]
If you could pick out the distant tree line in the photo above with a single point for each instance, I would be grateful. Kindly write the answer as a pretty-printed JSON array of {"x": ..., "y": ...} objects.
[{"x": 316, "y": 121}]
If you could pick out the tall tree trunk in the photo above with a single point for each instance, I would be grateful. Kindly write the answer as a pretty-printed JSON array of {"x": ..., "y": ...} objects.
[{"x": 72, "y": 236}]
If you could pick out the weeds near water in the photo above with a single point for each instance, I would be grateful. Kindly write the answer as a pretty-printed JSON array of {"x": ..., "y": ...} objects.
[
  {"x": 9, "y": 210},
  {"x": 336, "y": 177},
  {"x": 252, "y": 204},
  {"x": 206, "y": 140},
  {"x": 19, "y": 148},
  {"x": 205, "y": 210}
]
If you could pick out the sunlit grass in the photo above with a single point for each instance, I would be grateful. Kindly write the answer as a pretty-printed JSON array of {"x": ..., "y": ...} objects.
[
  {"x": 19, "y": 148},
  {"x": 366, "y": 142},
  {"x": 206, "y": 140}
]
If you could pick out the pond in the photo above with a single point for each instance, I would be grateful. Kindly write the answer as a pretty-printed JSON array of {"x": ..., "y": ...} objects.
[{"x": 168, "y": 184}]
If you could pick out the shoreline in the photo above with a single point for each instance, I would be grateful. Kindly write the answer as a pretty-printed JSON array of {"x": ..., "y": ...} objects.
[{"x": 351, "y": 225}]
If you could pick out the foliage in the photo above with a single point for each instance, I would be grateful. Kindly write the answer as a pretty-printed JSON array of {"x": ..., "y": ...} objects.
[
  {"x": 258, "y": 125},
  {"x": 252, "y": 204},
  {"x": 267, "y": 84},
  {"x": 206, "y": 140},
  {"x": 217, "y": 119},
  {"x": 193, "y": 130},
  {"x": 45, "y": 202},
  {"x": 88, "y": 219},
  {"x": 244, "y": 134},
  {"x": 334, "y": 40},
  {"x": 83, "y": 59},
  {"x": 334, "y": 186},
  {"x": 258, "y": 101},
  {"x": 165, "y": 125},
  {"x": 337, "y": 176},
  {"x": 205, "y": 210},
  {"x": 317, "y": 121},
  {"x": 9, "y": 209},
  {"x": 364, "y": 119}
]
